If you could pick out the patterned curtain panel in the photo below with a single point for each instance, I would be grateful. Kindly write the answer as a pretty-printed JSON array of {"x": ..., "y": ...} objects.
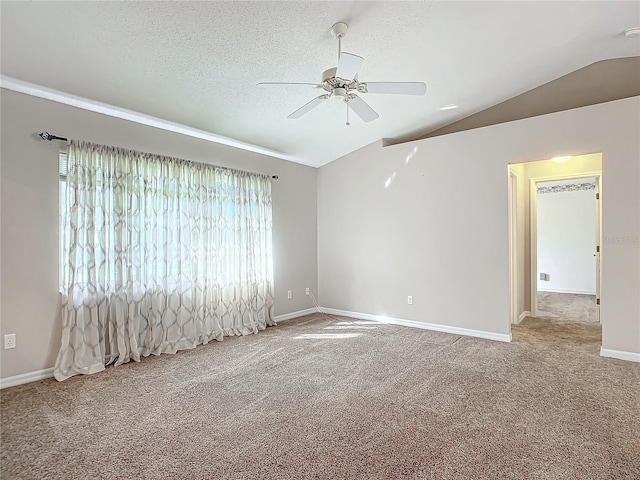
[{"x": 158, "y": 255}]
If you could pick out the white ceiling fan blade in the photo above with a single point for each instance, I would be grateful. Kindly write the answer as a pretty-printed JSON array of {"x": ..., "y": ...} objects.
[
  {"x": 348, "y": 65},
  {"x": 308, "y": 106},
  {"x": 362, "y": 109},
  {"x": 397, "y": 88},
  {"x": 288, "y": 83}
]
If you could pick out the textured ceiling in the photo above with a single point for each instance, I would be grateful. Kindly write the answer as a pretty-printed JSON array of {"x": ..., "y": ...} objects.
[{"x": 197, "y": 63}]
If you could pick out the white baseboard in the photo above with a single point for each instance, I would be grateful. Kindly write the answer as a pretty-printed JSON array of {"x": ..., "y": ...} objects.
[
  {"x": 562, "y": 290},
  {"x": 523, "y": 315},
  {"x": 620, "y": 355},
  {"x": 26, "y": 378},
  {"x": 501, "y": 337},
  {"x": 299, "y": 313}
]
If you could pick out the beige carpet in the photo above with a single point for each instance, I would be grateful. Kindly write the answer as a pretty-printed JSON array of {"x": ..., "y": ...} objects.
[
  {"x": 324, "y": 399},
  {"x": 568, "y": 307}
]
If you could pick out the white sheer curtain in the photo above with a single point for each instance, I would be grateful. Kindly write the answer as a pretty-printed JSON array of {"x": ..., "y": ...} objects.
[{"x": 158, "y": 254}]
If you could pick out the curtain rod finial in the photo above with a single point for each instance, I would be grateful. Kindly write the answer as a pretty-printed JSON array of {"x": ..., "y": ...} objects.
[
  {"x": 48, "y": 136},
  {"x": 275, "y": 177}
]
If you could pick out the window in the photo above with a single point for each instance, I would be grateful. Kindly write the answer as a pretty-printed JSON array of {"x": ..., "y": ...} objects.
[{"x": 158, "y": 254}]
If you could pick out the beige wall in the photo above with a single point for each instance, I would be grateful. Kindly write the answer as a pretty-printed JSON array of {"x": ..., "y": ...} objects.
[
  {"x": 580, "y": 164},
  {"x": 439, "y": 230},
  {"x": 427, "y": 218},
  {"x": 29, "y": 215}
]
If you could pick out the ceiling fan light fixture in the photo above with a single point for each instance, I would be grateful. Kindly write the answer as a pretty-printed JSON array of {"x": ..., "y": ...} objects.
[{"x": 340, "y": 92}]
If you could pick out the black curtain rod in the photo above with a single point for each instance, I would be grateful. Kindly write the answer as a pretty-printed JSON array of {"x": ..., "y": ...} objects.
[{"x": 49, "y": 137}]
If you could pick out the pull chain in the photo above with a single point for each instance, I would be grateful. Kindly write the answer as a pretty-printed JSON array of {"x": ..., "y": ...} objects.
[{"x": 347, "y": 104}]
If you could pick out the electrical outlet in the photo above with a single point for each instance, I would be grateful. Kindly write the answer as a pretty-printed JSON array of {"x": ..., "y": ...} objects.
[
  {"x": 410, "y": 300},
  {"x": 289, "y": 295},
  {"x": 10, "y": 341},
  {"x": 306, "y": 292}
]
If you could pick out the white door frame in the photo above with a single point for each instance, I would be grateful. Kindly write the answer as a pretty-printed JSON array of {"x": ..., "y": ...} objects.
[
  {"x": 513, "y": 245},
  {"x": 533, "y": 227},
  {"x": 598, "y": 253}
]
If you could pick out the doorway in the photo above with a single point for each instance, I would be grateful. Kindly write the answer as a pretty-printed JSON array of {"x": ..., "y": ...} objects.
[
  {"x": 555, "y": 255},
  {"x": 565, "y": 248}
]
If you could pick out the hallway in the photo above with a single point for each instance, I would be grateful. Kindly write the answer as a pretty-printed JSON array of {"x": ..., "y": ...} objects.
[
  {"x": 568, "y": 306},
  {"x": 564, "y": 319}
]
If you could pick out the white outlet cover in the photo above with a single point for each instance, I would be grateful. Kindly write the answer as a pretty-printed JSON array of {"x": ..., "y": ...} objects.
[{"x": 10, "y": 341}]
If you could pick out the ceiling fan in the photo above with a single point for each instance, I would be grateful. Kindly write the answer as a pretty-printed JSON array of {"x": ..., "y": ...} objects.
[{"x": 342, "y": 82}]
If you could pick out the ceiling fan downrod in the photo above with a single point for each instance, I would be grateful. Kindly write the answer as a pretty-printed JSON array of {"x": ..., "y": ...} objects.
[{"x": 339, "y": 30}]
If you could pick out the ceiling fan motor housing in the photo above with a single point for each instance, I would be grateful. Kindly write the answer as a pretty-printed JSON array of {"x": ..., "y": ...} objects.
[{"x": 338, "y": 86}]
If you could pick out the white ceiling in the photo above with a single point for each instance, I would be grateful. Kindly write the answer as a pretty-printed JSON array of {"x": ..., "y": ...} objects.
[{"x": 197, "y": 63}]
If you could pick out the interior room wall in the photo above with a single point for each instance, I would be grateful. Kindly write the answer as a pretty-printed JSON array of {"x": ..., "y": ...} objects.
[
  {"x": 29, "y": 215},
  {"x": 430, "y": 219},
  {"x": 566, "y": 245}
]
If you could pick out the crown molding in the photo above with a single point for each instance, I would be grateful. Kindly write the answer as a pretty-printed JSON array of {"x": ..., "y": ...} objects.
[{"x": 34, "y": 90}]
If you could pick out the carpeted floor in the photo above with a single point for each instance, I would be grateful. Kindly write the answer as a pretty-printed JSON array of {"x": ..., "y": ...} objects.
[
  {"x": 324, "y": 398},
  {"x": 568, "y": 307}
]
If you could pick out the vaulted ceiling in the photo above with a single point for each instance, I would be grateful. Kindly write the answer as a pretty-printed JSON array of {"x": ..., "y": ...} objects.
[{"x": 198, "y": 63}]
